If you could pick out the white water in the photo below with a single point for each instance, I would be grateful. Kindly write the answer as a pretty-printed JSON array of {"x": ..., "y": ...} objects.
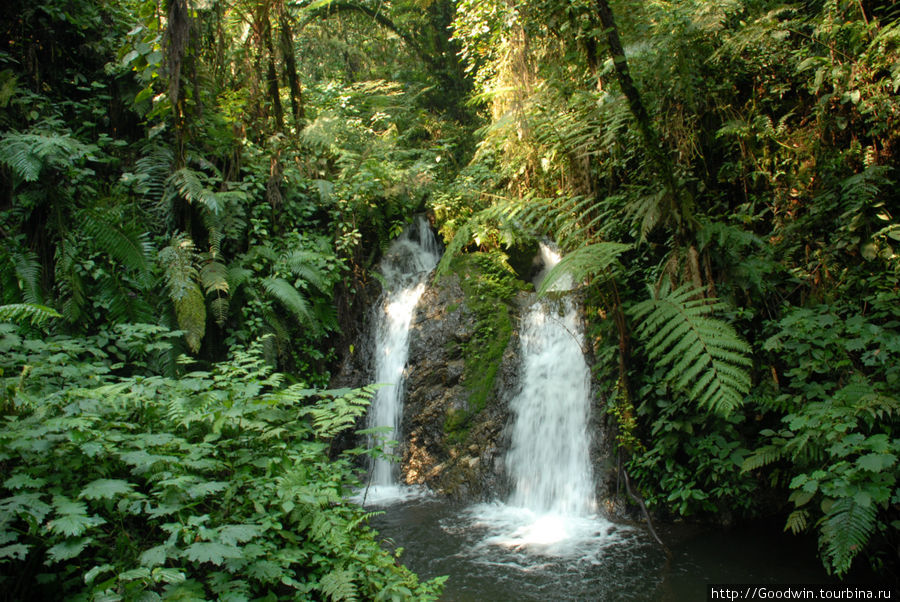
[
  {"x": 552, "y": 508},
  {"x": 405, "y": 268}
]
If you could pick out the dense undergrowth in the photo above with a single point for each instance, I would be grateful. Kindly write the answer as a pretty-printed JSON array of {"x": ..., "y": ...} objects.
[
  {"x": 722, "y": 177},
  {"x": 192, "y": 195}
]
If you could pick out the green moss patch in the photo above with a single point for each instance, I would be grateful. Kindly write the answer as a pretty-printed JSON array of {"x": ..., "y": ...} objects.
[{"x": 489, "y": 285}]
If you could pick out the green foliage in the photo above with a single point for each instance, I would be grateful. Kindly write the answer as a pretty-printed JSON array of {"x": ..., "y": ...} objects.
[
  {"x": 179, "y": 261},
  {"x": 27, "y": 155},
  {"x": 213, "y": 484},
  {"x": 704, "y": 356},
  {"x": 835, "y": 443},
  {"x": 28, "y": 312},
  {"x": 489, "y": 286},
  {"x": 582, "y": 263}
]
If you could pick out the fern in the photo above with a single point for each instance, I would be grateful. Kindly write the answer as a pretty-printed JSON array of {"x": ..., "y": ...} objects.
[
  {"x": 303, "y": 264},
  {"x": 704, "y": 355},
  {"x": 339, "y": 585},
  {"x": 28, "y": 154},
  {"x": 19, "y": 313},
  {"x": 290, "y": 298},
  {"x": 152, "y": 171},
  {"x": 130, "y": 247},
  {"x": 28, "y": 271},
  {"x": 188, "y": 183},
  {"x": 845, "y": 530},
  {"x": 181, "y": 279},
  {"x": 582, "y": 263}
]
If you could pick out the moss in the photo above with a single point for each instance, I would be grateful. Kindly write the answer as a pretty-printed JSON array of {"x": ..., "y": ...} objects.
[{"x": 489, "y": 285}]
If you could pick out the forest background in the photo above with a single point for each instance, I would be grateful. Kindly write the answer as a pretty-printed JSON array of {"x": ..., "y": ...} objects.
[{"x": 194, "y": 194}]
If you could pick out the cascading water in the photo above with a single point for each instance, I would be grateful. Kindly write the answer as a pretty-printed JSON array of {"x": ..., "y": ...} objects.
[
  {"x": 552, "y": 505},
  {"x": 405, "y": 268}
]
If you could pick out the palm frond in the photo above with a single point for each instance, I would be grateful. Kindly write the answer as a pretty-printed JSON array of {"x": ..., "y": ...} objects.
[{"x": 704, "y": 356}]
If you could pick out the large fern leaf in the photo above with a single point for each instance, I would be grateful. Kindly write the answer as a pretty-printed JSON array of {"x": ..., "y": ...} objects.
[
  {"x": 191, "y": 187},
  {"x": 845, "y": 531},
  {"x": 129, "y": 246},
  {"x": 703, "y": 355},
  {"x": 582, "y": 263},
  {"x": 19, "y": 313},
  {"x": 181, "y": 279},
  {"x": 28, "y": 154},
  {"x": 290, "y": 298},
  {"x": 152, "y": 171},
  {"x": 305, "y": 264},
  {"x": 28, "y": 272}
]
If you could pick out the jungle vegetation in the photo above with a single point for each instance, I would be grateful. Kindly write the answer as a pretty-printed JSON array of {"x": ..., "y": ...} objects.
[{"x": 193, "y": 194}]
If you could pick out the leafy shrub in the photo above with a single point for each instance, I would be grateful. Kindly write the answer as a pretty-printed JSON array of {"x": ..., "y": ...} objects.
[{"x": 217, "y": 484}]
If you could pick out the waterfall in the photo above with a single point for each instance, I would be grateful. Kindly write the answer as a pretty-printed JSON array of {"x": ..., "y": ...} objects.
[
  {"x": 405, "y": 268},
  {"x": 548, "y": 460},
  {"x": 552, "y": 505}
]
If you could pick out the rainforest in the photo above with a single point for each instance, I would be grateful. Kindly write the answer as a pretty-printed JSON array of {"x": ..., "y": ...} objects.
[{"x": 271, "y": 268}]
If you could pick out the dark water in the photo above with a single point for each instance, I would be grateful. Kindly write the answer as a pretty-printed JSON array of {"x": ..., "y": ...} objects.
[{"x": 616, "y": 562}]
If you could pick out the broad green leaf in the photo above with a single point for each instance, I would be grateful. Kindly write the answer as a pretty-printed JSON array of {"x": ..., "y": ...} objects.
[
  {"x": 18, "y": 551},
  {"x": 213, "y": 552},
  {"x": 68, "y": 549},
  {"x": 877, "y": 462},
  {"x": 105, "y": 488}
]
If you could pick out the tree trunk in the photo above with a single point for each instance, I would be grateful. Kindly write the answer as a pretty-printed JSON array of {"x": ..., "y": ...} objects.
[{"x": 286, "y": 41}]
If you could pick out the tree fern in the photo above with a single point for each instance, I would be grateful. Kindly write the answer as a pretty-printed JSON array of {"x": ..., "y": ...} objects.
[
  {"x": 20, "y": 313},
  {"x": 582, "y": 263},
  {"x": 703, "y": 355},
  {"x": 181, "y": 279}
]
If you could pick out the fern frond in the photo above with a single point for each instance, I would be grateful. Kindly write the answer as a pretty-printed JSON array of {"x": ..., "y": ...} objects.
[
  {"x": 130, "y": 247},
  {"x": 796, "y": 521},
  {"x": 152, "y": 171},
  {"x": 189, "y": 185},
  {"x": 181, "y": 279},
  {"x": 214, "y": 277},
  {"x": 305, "y": 264},
  {"x": 237, "y": 276},
  {"x": 763, "y": 457},
  {"x": 703, "y": 355},
  {"x": 845, "y": 530},
  {"x": 290, "y": 298},
  {"x": 583, "y": 263},
  {"x": 339, "y": 585},
  {"x": 68, "y": 278},
  {"x": 28, "y": 154},
  {"x": 28, "y": 271},
  {"x": 19, "y": 313}
]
